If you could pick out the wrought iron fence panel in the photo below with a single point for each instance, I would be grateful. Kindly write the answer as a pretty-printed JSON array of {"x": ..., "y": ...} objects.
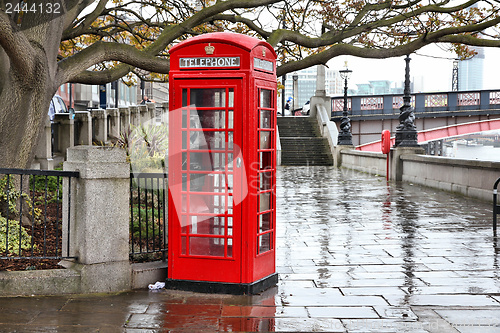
[
  {"x": 31, "y": 214},
  {"x": 148, "y": 222}
]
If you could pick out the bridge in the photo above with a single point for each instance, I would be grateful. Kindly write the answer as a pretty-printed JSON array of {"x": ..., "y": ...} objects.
[{"x": 437, "y": 115}]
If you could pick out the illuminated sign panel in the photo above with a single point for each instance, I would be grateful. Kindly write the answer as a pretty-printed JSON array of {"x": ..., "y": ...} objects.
[
  {"x": 263, "y": 64},
  {"x": 209, "y": 62}
]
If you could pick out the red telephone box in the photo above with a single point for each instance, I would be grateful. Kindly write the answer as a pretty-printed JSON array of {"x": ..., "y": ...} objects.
[{"x": 222, "y": 164}]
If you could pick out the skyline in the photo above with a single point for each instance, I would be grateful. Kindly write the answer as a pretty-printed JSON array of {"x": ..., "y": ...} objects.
[{"x": 431, "y": 64}]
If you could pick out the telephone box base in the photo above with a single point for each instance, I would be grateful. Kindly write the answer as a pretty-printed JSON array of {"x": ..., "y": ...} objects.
[{"x": 223, "y": 287}]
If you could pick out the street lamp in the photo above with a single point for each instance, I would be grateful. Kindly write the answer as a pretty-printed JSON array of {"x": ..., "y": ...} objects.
[
  {"x": 345, "y": 136},
  {"x": 295, "y": 78},
  {"x": 406, "y": 131}
]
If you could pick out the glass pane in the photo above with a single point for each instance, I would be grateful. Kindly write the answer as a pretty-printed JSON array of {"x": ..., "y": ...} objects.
[
  {"x": 196, "y": 182},
  {"x": 184, "y": 224},
  {"x": 215, "y": 140},
  {"x": 265, "y": 140},
  {"x": 265, "y": 98},
  {"x": 219, "y": 161},
  {"x": 231, "y": 98},
  {"x": 184, "y": 97},
  {"x": 206, "y": 246},
  {"x": 265, "y": 160},
  {"x": 215, "y": 97},
  {"x": 184, "y": 203},
  {"x": 265, "y": 181},
  {"x": 184, "y": 140},
  {"x": 206, "y": 225},
  {"x": 265, "y": 119},
  {"x": 230, "y": 119},
  {"x": 230, "y": 140},
  {"x": 264, "y": 243},
  {"x": 184, "y": 161},
  {"x": 183, "y": 245},
  {"x": 265, "y": 201},
  {"x": 264, "y": 222},
  {"x": 184, "y": 118},
  {"x": 212, "y": 118},
  {"x": 229, "y": 247}
]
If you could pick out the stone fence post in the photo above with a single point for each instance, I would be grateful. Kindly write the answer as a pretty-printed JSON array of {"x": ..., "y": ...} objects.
[
  {"x": 143, "y": 110},
  {"x": 124, "y": 119},
  {"x": 99, "y": 231},
  {"x": 135, "y": 116},
  {"x": 162, "y": 109},
  {"x": 151, "y": 114},
  {"x": 83, "y": 128},
  {"x": 114, "y": 123},
  {"x": 100, "y": 125},
  {"x": 65, "y": 136}
]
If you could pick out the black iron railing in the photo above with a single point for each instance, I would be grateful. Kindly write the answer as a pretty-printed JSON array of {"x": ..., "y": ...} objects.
[
  {"x": 148, "y": 222},
  {"x": 31, "y": 214}
]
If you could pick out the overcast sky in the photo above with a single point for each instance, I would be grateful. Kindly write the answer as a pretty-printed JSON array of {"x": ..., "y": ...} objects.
[{"x": 431, "y": 62}]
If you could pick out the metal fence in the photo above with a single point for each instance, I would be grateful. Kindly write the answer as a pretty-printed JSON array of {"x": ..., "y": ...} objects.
[
  {"x": 31, "y": 214},
  {"x": 148, "y": 222}
]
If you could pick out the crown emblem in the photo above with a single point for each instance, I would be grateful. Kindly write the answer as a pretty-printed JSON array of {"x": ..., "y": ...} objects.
[
  {"x": 263, "y": 52},
  {"x": 209, "y": 49}
]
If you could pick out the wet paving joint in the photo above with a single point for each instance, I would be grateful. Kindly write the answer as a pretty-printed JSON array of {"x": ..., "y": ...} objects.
[{"x": 354, "y": 254}]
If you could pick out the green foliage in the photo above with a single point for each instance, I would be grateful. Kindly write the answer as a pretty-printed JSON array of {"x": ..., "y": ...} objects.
[
  {"x": 142, "y": 228},
  {"x": 11, "y": 231},
  {"x": 51, "y": 183},
  {"x": 146, "y": 147},
  {"x": 16, "y": 233}
]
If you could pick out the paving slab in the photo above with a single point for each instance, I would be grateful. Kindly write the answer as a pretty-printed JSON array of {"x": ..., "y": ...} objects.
[{"x": 354, "y": 254}]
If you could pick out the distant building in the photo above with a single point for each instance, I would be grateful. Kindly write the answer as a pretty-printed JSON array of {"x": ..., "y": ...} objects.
[
  {"x": 470, "y": 72},
  {"x": 306, "y": 79},
  {"x": 377, "y": 87}
]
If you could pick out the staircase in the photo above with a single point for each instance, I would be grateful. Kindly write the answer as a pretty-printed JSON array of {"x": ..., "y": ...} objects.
[{"x": 301, "y": 142}]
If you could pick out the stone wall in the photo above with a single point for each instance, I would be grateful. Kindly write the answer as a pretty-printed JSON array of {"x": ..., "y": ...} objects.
[{"x": 468, "y": 177}]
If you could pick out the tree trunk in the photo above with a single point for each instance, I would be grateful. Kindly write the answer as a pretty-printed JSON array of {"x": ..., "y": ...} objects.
[{"x": 23, "y": 112}]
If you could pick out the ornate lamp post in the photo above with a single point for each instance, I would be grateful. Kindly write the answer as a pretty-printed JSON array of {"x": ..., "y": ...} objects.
[
  {"x": 295, "y": 78},
  {"x": 345, "y": 136},
  {"x": 406, "y": 131}
]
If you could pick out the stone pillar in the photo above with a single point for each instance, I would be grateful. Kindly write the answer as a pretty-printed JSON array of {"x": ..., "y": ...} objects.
[
  {"x": 43, "y": 154},
  {"x": 99, "y": 229},
  {"x": 395, "y": 163},
  {"x": 151, "y": 113},
  {"x": 143, "y": 118},
  {"x": 163, "y": 108},
  {"x": 113, "y": 123},
  {"x": 124, "y": 119},
  {"x": 337, "y": 156},
  {"x": 83, "y": 128},
  {"x": 320, "y": 81},
  {"x": 66, "y": 132},
  {"x": 100, "y": 126},
  {"x": 135, "y": 116}
]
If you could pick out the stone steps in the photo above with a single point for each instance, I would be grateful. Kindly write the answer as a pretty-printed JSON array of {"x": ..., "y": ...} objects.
[{"x": 301, "y": 142}]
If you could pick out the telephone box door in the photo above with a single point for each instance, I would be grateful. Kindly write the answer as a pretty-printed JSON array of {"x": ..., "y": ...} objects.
[{"x": 205, "y": 173}]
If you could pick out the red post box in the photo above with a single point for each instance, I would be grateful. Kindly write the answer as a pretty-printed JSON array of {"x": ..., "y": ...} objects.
[{"x": 222, "y": 164}]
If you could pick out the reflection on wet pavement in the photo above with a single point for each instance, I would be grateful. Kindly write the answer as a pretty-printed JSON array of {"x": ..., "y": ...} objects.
[{"x": 354, "y": 254}]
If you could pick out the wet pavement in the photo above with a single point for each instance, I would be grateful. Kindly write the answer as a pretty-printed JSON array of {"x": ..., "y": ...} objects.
[{"x": 355, "y": 254}]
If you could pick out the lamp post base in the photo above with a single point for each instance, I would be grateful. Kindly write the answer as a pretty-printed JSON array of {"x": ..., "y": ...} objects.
[
  {"x": 345, "y": 139},
  {"x": 406, "y": 138}
]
